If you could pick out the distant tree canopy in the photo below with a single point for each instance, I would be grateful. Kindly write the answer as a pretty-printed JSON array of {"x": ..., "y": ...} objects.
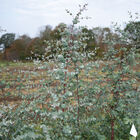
[
  {"x": 35, "y": 48},
  {"x": 24, "y": 47},
  {"x": 57, "y": 30},
  {"x": 133, "y": 29},
  {"x": 18, "y": 48},
  {"x": 91, "y": 43},
  {"x": 45, "y": 33},
  {"x": 25, "y": 38},
  {"x": 7, "y": 39}
]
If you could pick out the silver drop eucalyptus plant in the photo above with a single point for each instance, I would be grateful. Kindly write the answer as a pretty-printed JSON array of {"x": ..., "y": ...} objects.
[{"x": 81, "y": 99}]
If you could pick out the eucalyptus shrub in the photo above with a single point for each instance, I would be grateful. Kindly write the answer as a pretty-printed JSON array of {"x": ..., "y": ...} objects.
[
  {"x": 93, "y": 100},
  {"x": 120, "y": 91},
  {"x": 68, "y": 99}
]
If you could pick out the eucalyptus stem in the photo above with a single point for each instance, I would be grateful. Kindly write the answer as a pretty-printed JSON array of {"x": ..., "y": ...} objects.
[
  {"x": 112, "y": 129},
  {"x": 78, "y": 100}
]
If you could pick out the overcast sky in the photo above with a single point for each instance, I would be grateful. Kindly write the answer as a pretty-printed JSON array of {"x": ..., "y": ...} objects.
[{"x": 27, "y": 16}]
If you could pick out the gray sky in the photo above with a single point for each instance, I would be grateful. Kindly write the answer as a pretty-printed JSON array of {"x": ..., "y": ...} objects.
[{"x": 27, "y": 16}]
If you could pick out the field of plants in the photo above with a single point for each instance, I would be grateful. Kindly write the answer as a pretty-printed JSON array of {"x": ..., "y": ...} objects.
[
  {"x": 23, "y": 84},
  {"x": 19, "y": 79},
  {"x": 68, "y": 95}
]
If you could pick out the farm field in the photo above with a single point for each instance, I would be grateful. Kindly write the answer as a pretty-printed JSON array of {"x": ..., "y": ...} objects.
[
  {"x": 24, "y": 83},
  {"x": 70, "y": 82},
  {"x": 17, "y": 78}
]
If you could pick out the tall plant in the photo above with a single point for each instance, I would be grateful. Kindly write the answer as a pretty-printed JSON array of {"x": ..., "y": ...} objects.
[
  {"x": 69, "y": 95},
  {"x": 119, "y": 92}
]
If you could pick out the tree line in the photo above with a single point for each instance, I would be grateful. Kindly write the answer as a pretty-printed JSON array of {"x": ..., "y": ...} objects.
[{"x": 24, "y": 47}]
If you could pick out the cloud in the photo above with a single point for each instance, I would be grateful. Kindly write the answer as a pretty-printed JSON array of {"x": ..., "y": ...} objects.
[
  {"x": 47, "y": 4},
  {"x": 34, "y": 7},
  {"x": 34, "y": 13},
  {"x": 29, "y": 15},
  {"x": 47, "y": 9}
]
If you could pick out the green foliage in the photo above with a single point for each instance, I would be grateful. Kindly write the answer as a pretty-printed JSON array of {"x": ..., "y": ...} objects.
[
  {"x": 133, "y": 30},
  {"x": 7, "y": 39},
  {"x": 80, "y": 99}
]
